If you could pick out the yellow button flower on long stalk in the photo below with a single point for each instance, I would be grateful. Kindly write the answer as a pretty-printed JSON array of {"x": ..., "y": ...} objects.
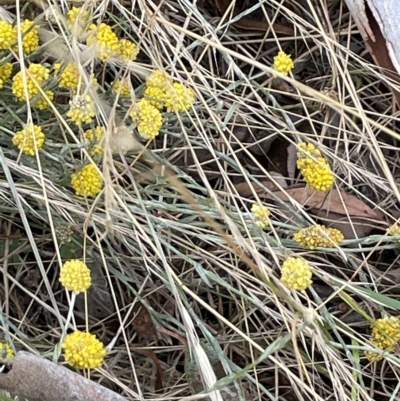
[
  {"x": 83, "y": 350},
  {"x": 314, "y": 167},
  {"x": 318, "y": 236}
]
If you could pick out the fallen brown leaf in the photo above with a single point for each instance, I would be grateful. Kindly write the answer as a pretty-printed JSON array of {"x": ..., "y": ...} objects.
[
  {"x": 337, "y": 209},
  {"x": 247, "y": 191},
  {"x": 334, "y": 201},
  {"x": 251, "y": 24},
  {"x": 142, "y": 322},
  {"x": 150, "y": 354}
]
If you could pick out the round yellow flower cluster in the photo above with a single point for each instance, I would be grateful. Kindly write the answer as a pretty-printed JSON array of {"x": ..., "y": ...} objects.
[
  {"x": 36, "y": 76},
  {"x": 95, "y": 136},
  {"x": 75, "y": 276},
  {"x": 5, "y": 73},
  {"x": 283, "y": 63},
  {"x": 161, "y": 92},
  {"x": 318, "y": 236},
  {"x": 296, "y": 273},
  {"x": 394, "y": 230},
  {"x": 64, "y": 233},
  {"x": 314, "y": 167},
  {"x": 7, "y": 35},
  {"x": 30, "y": 139},
  {"x": 385, "y": 335},
  {"x": 6, "y": 353},
  {"x": 128, "y": 50},
  {"x": 76, "y": 17},
  {"x": 179, "y": 98},
  {"x": 83, "y": 350},
  {"x": 159, "y": 79},
  {"x": 30, "y": 36},
  {"x": 148, "y": 119},
  {"x": 155, "y": 96},
  {"x": 122, "y": 88},
  {"x": 105, "y": 40},
  {"x": 68, "y": 76},
  {"x": 81, "y": 110},
  {"x": 87, "y": 181},
  {"x": 261, "y": 215}
]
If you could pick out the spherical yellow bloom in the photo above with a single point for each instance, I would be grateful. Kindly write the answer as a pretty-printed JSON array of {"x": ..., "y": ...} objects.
[
  {"x": 386, "y": 332},
  {"x": 148, "y": 119},
  {"x": 95, "y": 136},
  {"x": 318, "y": 236},
  {"x": 105, "y": 40},
  {"x": 42, "y": 103},
  {"x": 128, "y": 50},
  {"x": 283, "y": 63},
  {"x": 155, "y": 96},
  {"x": 81, "y": 110},
  {"x": 394, "y": 230},
  {"x": 314, "y": 167},
  {"x": 159, "y": 79},
  {"x": 6, "y": 353},
  {"x": 87, "y": 181},
  {"x": 30, "y": 36},
  {"x": 83, "y": 350},
  {"x": 179, "y": 98},
  {"x": 7, "y": 35},
  {"x": 30, "y": 139},
  {"x": 385, "y": 335},
  {"x": 122, "y": 89},
  {"x": 36, "y": 75},
  {"x": 69, "y": 76},
  {"x": 75, "y": 276},
  {"x": 261, "y": 214},
  {"x": 5, "y": 73},
  {"x": 77, "y": 18},
  {"x": 296, "y": 273}
]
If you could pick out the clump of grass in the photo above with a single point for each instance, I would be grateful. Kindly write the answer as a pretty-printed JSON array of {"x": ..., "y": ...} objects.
[{"x": 121, "y": 126}]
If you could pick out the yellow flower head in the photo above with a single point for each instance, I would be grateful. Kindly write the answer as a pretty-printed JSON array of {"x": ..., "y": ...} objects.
[
  {"x": 148, "y": 119},
  {"x": 64, "y": 233},
  {"x": 314, "y": 167},
  {"x": 7, "y": 35},
  {"x": 318, "y": 236},
  {"x": 69, "y": 76},
  {"x": 121, "y": 87},
  {"x": 6, "y": 353},
  {"x": 283, "y": 63},
  {"x": 81, "y": 110},
  {"x": 83, "y": 350},
  {"x": 261, "y": 214},
  {"x": 394, "y": 230},
  {"x": 36, "y": 75},
  {"x": 373, "y": 356},
  {"x": 42, "y": 103},
  {"x": 156, "y": 96},
  {"x": 105, "y": 40},
  {"x": 75, "y": 276},
  {"x": 30, "y": 139},
  {"x": 179, "y": 98},
  {"x": 87, "y": 181},
  {"x": 296, "y": 273},
  {"x": 77, "y": 19},
  {"x": 386, "y": 332},
  {"x": 95, "y": 136},
  {"x": 159, "y": 79},
  {"x": 385, "y": 335},
  {"x": 128, "y": 50},
  {"x": 30, "y": 36},
  {"x": 5, "y": 73}
]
